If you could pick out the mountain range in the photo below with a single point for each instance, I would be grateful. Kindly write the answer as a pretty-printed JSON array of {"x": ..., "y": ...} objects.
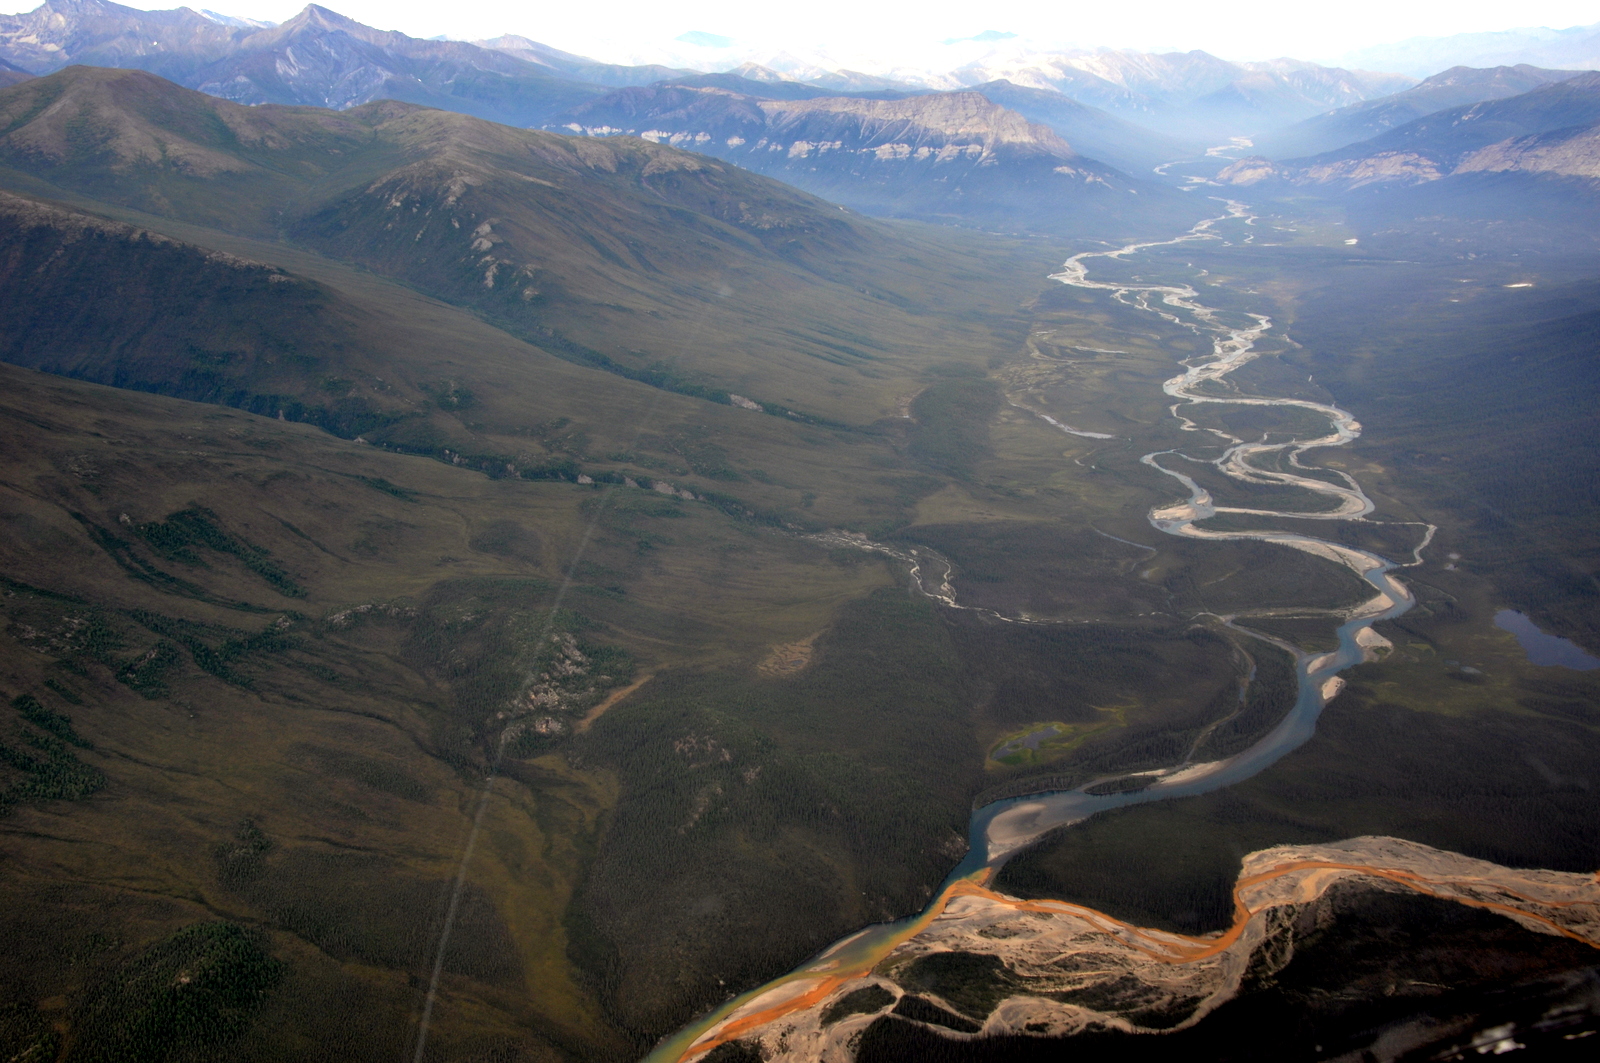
[
  {"x": 324, "y": 59},
  {"x": 1013, "y": 139},
  {"x": 318, "y": 58},
  {"x": 1475, "y": 138},
  {"x": 1459, "y": 86},
  {"x": 938, "y": 156},
  {"x": 10, "y": 75}
]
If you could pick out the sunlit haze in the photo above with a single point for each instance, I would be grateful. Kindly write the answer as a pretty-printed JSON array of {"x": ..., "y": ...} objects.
[{"x": 881, "y": 35}]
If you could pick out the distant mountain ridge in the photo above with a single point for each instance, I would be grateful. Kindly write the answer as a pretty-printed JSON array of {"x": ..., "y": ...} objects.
[
  {"x": 1456, "y": 87},
  {"x": 943, "y": 156},
  {"x": 322, "y": 58},
  {"x": 174, "y": 44},
  {"x": 1539, "y": 131},
  {"x": 564, "y": 241},
  {"x": 916, "y": 160},
  {"x": 319, "y": 57},
  {"x": 1092, "y": 132}
]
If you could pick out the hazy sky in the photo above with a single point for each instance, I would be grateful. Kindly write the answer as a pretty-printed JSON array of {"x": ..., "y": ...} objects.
[{"x": 906, "y": 32}]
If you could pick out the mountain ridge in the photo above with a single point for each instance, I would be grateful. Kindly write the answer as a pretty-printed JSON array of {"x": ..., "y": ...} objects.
[
  {"x": 939, "y": 156},
  {"x": 318, "y": 57},
  {"x": 1435, "y": 145},
  {"x": 1459, "y": 86},
  {"x": 323, "y": 58}
]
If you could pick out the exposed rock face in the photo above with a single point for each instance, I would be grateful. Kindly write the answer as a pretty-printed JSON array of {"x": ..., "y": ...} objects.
[
  {"x": 989, "y": 965},
  {"x": 949, "y": 123},
  {"x": 1093, "y": 132}
]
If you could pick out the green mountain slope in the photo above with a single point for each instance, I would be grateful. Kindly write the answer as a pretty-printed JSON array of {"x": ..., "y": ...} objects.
[
  {"x": 653, "y": 263},
  {"x": 121, "y": 305}
]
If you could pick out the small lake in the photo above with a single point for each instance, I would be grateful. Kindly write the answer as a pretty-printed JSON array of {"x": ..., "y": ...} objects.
[{"x": 1545, "y": 649}]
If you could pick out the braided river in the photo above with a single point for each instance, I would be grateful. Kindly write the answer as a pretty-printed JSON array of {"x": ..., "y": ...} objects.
[{"x": 999, "y": 829}]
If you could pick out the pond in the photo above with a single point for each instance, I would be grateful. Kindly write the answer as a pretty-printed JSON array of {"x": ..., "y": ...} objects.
[{"x": 1545, "y": 649}]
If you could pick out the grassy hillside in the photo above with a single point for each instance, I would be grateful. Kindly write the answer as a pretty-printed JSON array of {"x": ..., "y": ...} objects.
[
  {"x": 122, "y": 305},
  {"x": 653, "y": 264},
  {"x": 283, "y": 655}
]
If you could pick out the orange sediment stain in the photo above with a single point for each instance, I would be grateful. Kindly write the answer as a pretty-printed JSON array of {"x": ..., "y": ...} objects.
[{"x": 1159, "y": 945}]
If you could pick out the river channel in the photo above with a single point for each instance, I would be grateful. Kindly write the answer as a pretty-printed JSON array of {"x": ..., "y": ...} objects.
[{"x": 1002, "y": 828}]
